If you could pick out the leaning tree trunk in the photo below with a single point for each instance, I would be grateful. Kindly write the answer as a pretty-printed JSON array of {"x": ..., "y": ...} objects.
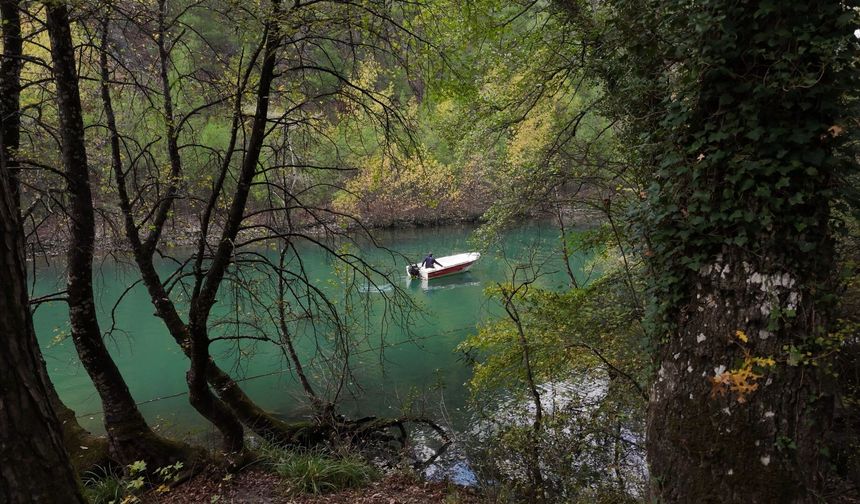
[
  {"x": 227, "y": 389},
  {"x": 129, "y": 437},
  {"x": 35, "y": 466},
  {"x": 206, "y": 287}
]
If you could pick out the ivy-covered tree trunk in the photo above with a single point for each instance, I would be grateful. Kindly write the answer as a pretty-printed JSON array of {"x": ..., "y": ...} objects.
[
  {"x": 750, "y": 158},
  {"x": 129, "y": 437}
]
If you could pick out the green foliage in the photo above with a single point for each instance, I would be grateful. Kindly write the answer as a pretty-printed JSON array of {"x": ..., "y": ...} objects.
[
  {"x": 107, "y": 486},
  {"x": 588, "y": 354},
  {"x": 103, "y": 486},
  {"x": 740, "y": 112},
  {"x": 601, "y": 315},
  {"x": 171, "y": 473},
  {"x": 413, "y": 188},
  {"x": 318, "y": 472}
]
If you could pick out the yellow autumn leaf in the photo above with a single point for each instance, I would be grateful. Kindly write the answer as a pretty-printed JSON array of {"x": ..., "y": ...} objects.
[{"x": 764, "y": 361}]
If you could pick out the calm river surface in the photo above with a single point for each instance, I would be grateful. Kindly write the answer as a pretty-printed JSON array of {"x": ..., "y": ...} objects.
[{"x": 422, "y": 365}]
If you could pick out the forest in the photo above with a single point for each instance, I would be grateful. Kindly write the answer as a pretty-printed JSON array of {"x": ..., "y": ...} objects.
[{"x": 209, "y": 212}]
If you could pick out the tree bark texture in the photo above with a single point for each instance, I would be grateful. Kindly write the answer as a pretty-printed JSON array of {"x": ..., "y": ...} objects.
[
  {"x": 10, "y": 90},
  {"x": 129, "y": 437},
  {"x": 707, "y": 446},
  {"x": 742, "y": 404},
  {"x": 35, "y": 466},
  {"x": 74, "y": 436}
]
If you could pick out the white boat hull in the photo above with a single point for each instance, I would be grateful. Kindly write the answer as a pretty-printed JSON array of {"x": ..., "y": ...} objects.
[{"x": 448, "y": 265}]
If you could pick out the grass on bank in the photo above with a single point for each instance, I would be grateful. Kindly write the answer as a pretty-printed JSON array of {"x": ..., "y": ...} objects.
[
  {"x": 103, "y": 487},
  {"x": 316, "y": 471},
  {"x": 301, "y": 471},
  {"x": 112, "y": 485}
]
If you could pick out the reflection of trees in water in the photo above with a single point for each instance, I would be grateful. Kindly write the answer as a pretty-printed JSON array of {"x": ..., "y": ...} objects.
[
  {"x": 588, "y": 445},
  {"x": 557, "y": 386}
]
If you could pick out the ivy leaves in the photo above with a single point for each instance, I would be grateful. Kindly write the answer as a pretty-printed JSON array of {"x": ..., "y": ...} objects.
[{"x": 741, "y": 112}]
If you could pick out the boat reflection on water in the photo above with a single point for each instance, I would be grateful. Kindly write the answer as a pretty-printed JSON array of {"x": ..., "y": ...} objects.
[{"x": 452, "y": 282}]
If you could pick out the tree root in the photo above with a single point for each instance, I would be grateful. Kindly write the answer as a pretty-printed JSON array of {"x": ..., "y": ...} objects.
[{"x": 338, "y": 430}]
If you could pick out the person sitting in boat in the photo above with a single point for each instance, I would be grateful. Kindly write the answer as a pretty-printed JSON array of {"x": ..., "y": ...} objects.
[{"x": 429, "y": 261}]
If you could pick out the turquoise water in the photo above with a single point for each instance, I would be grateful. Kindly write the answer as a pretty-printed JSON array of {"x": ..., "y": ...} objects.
[{"x": 392, "y": 366}]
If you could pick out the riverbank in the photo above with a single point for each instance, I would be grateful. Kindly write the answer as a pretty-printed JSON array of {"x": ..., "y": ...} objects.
[{"x": 52, "y": 237}]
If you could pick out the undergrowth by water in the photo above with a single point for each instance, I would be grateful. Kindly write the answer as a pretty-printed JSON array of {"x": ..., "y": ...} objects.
[
  {"x": 317, "y": 471},
  {"x": 103, "y": 486}
]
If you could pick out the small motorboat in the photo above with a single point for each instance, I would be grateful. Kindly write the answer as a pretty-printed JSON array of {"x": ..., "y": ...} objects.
[{"x": 448, "y": 265}]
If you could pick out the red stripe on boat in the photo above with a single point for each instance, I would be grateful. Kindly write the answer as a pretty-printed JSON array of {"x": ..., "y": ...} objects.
[{"x": 448, "y": 271}]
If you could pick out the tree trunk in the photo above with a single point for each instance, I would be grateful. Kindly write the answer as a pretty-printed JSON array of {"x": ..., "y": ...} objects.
[
  {"x": 129, "y": 437},
  {"x": 35, "y": 466},
  {"x": 536, "y": 490},
  {"x": 558, "y": 213},
  {"x": 251, "y": 415},
  {"x": 206, "y": 286},
  {"x": 94, "y": 451},
  {"x": 167, "y": 202},
  {"x": 10, "y": 90},
  {"x": 755, "y": 149},
  {"x": 205, "y": 402},
  {"x": 87, "y": 452},
  {"x": 710, "y": 444}
]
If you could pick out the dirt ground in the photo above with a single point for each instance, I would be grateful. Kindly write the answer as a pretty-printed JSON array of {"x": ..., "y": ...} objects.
[{"x": 260, "y": 487}]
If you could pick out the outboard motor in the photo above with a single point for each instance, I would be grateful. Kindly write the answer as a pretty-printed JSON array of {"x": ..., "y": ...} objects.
[{"x": 413, "y": 270}]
